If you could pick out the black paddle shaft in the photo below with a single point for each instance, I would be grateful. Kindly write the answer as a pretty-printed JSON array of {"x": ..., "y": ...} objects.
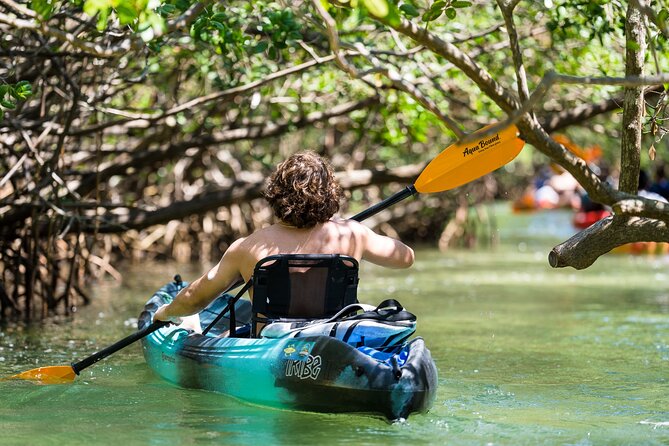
[
  {"x": 95, "y": 357},
  {"x": 378, "y": 207}
]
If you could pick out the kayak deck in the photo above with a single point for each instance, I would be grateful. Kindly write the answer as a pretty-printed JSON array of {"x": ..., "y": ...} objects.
[{"x": 314, "y": 373}]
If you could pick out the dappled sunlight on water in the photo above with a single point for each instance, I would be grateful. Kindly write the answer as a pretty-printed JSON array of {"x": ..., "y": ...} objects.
[{"x": 526, "y": 355}]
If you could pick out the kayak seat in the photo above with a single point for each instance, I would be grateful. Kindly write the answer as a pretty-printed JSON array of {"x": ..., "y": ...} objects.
[{"x": 302, "y": 287}]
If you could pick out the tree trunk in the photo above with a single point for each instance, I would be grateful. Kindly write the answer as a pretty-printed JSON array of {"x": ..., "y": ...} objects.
[{"x": 633, "y": 105}]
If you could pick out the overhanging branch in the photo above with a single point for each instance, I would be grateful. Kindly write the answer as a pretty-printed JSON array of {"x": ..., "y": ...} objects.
[{"x": 581, "y": 250}]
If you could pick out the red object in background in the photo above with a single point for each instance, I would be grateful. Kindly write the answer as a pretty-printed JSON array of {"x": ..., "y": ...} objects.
[{"x": 583, "y": 219}]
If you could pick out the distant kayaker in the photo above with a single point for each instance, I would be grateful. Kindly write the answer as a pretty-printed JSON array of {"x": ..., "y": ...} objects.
[{"x": 304, "y": 195}]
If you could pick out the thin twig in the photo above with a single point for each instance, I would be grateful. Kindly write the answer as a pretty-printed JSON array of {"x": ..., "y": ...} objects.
[
  {"x": 13, "y": 170},
  {"x": 521, "y": 77}
]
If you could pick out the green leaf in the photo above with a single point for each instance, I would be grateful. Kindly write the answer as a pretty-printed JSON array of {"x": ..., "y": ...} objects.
[
  {"x": 663, "y": 15},
  {"x": 100, "y": 7},
  {"x": 378, "y": 8},
  {"x": 197, "y": 27},
  {"x": 102, "y": 19},
  {"x": 461, "y": 4},
  {"x": 218, "y": 25},
  {"x": 166, "y": 9},
  {"x": 43, "y": 8},
  {"x": 91, "y": 7},
  {"x": 260, "y": 47},
  {"x": 140, "y": 5},
  {"x": 8, "y": 104},
  {"x": 409, "y": 10},
  {"x": 2, "y": 113},
  {"x": 3, "y": 90},
  {"x": 183, "y": 5},
  {"x": 23, "y": 90},
  {"x": 451, "y": 13},
  {"x": 126, "y": 13},
  {"x": 432, "y": 14}
]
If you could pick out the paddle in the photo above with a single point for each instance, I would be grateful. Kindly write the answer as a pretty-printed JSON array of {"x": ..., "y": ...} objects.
[
  {"x": 62, "y": 374},
  {"x": 456, "y": 165}
]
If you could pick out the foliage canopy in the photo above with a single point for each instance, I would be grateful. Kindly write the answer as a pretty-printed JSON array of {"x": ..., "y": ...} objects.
[{"x": 120, "y": 115}]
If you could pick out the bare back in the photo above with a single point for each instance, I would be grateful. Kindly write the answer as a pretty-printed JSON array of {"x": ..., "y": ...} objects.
[
  {"x": 346, "y": 237},
  {"x": 332, "y": 237}
]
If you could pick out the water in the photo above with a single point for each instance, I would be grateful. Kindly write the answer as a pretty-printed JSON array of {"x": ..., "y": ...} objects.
[{"x": 526, "y": 355}]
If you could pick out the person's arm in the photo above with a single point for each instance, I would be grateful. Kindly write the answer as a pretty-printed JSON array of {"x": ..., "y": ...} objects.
[
  {"x": 385, "y": 251},
  {"x": 202, "y": 291}
]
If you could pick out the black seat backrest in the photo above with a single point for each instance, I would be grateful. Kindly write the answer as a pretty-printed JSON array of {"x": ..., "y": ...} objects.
[{"x": 303, "y": 286}]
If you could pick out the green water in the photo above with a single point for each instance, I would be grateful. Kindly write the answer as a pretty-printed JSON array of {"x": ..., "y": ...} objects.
[{"x": 526, "y": 355}]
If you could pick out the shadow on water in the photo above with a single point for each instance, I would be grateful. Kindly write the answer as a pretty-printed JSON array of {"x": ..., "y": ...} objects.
[{"x": 526, "y": 355}]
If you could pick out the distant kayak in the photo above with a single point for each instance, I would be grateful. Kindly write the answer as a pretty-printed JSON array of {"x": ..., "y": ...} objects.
[
  {"x": 362, "y": 363},
  {"x": 643, "y": 248}
]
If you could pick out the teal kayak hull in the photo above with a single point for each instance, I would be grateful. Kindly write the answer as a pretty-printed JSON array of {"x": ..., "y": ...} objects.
[{"x": 313, "y": 373}]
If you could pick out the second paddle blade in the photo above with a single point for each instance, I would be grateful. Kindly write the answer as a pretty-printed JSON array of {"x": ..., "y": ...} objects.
[
  {"x": 461, "y": 163},
  {"x": 60, "y": 374}
]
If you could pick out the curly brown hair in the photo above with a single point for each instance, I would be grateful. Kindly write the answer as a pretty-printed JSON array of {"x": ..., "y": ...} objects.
[{"x": 303, "y": 190}]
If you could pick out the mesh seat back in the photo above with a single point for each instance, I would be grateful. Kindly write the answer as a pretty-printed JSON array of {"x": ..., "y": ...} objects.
[{"x": 304, "y": 286}]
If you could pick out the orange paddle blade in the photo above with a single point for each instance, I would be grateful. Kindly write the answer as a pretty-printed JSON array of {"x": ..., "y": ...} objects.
[
  {"x": 461, "y": 163},
  {"x": 60, "y": 374}
]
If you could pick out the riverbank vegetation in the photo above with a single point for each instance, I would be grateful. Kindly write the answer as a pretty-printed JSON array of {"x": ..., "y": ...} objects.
[{"x": 136, "y": 129}]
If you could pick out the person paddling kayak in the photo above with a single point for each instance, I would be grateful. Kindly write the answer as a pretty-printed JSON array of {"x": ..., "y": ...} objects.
[{"x": 304, "y": 195}]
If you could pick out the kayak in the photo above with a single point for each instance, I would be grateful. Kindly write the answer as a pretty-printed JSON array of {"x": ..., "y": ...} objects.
[{"x": 361, "y": 363}]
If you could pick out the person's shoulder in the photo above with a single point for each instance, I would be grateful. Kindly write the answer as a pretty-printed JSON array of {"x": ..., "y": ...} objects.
[
  {"x": 354, "y": 227},
  {"x": 343, "y": 223},
  {"x": 236, "y": 246},
  {"x": 255, "y": 239}
]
